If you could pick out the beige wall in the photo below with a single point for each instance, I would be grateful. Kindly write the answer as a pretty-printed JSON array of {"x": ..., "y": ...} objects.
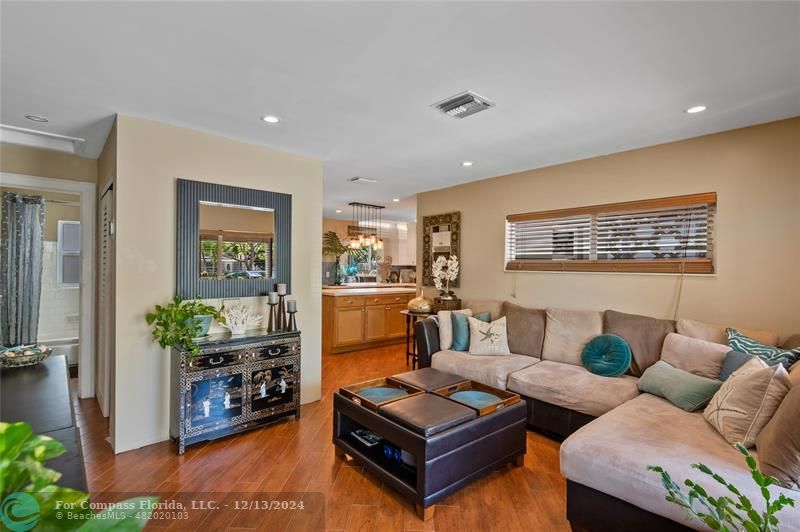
[
  {"x": 46, "y": 163},
  {"x": 756, "y": 174},
  {"x": 150, "y": 157}
]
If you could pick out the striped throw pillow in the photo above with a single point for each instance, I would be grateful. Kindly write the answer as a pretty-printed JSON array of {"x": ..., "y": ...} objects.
[{"x": 768, "y": 353}]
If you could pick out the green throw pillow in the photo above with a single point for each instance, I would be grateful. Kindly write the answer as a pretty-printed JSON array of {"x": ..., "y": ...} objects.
[
  {"x": 461, "y": 329},
  {"x": 681, "y": 388},
  {"x": 768, "y": 353},
  {"x": 607, "y": 355}
]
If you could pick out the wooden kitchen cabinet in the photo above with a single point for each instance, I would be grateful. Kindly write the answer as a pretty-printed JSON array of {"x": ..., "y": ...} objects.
[
  {"x": 375, "y": 323},
  {"x": 395, "y": 322},
  {"x": 348, "y": 326},
  {"x": 358, "y": 321}
]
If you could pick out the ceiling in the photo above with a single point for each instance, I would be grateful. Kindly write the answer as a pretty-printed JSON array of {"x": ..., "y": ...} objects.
[{"x": 352, "y": 83}]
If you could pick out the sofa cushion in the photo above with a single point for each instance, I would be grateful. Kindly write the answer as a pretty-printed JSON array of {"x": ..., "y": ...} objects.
[
  {"x": 611, "y": 455},
  {"x": 488, "y": 338},
  {"x": 573, "y": 387},
  {"x": 747, "y": 401},
  {"x": 711, "y": 332},
  {"x": 779, "y": 443},
  {"x": 567, "y": 332},
  {"x": 491, "y": 371},
  {"x": 733, "y": 360},
  {"x": 461, "y": 329},
  {"x": 644, "y": 334},
  {"x": 694, "y": 355},
  {"x": 445, "y": 318},
  {"x": 607, "y": 355},
  {"x": 683, "y": 389},
  {"x": 769, "y": 353},
  {"x": 525, "y": 329}
]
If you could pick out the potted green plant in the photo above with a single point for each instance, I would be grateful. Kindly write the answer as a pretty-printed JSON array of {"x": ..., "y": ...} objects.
[
  {"x": 333, "y": 246},
  {"x": 180, "y": 322},
  {"x": 31, "y": 498},
  {"x": 727, "y": 513}
]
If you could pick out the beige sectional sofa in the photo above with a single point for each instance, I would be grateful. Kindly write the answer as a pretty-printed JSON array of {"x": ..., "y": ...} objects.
[{"x": 612, "y": 431}]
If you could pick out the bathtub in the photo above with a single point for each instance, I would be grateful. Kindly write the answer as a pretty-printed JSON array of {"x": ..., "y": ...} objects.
[{"x": 69, "y": 347}]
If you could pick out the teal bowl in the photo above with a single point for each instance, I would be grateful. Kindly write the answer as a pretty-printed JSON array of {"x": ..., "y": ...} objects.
[{"x": 204, "y": 322}]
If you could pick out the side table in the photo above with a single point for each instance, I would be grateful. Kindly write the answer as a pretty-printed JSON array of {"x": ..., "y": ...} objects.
[{"x": 411, "y": 344}]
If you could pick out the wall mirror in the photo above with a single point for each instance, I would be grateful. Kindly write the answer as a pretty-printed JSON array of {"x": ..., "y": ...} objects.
[{"x": 231, "y": 241}]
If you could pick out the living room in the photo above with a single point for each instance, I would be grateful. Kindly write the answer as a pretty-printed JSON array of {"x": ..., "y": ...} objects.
[{"x": 562, "y": 261}]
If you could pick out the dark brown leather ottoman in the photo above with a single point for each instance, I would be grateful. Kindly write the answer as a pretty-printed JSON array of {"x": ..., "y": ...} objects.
[
  {"x": 450, "y": 444},
  {"x": 428, "y": 379}
]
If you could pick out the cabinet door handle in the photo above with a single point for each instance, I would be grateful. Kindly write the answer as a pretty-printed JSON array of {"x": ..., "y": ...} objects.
[
  {"x": 397, "y": 299},
  {"x": 217, "y": 362},
  {"x": 275, "y": 352}
]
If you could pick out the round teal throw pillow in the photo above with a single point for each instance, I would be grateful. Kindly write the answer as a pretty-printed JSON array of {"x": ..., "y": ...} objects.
[{"x": 608, "y": 355}]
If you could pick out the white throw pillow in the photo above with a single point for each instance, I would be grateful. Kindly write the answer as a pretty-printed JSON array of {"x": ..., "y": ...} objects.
[
  {"x": 694, "y": 355},
  {"x": 445, "y": 318},
  {"x": 567, "y": 332},
  {"x": 711, "y": 332},
  {"x": 488, "y": 338}
]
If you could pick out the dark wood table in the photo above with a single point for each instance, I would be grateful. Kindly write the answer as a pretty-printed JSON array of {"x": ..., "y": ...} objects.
[
  {"x": 411, "y": 343},
  {"x": 39, "y": 395}
]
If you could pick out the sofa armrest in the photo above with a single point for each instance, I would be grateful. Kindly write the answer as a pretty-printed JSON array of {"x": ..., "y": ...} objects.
[{"x": 426, "y": 334}]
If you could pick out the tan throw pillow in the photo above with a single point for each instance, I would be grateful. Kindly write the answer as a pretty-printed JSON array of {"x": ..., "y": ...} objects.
[
  {"x": 567, "y": 332},
  {"x": 445, "y": 318},
  {"x": 711, "y": 332},
  {"x": 746, "y": 401},
  {"x": 488, "y": 338},
  {"x": 778, "y": 444},
  {"x": 695, "y": 356}
]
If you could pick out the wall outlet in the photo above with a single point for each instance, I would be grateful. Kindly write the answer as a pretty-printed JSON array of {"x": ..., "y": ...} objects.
[{"x": 327, "y": 275}]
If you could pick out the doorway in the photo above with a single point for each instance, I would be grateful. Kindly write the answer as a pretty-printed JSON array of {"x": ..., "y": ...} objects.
[{"x": 73, "y": 257}]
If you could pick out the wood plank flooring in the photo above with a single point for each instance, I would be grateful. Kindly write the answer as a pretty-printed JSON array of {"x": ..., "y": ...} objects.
[{"x": 294, "y": 461}]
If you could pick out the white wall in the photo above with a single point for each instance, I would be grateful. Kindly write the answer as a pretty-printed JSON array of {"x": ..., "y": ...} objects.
[
  {"x": 150, "y": 157},
  {"x": 59, "y": 308},
  {"x": 755, "y": 172}
]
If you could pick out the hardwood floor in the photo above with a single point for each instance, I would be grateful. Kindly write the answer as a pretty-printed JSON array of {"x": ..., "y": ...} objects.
[{"x": 294, "y": 461}]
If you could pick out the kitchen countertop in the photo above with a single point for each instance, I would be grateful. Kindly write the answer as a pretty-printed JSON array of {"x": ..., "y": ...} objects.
[
  {"x": 350, "y": 291},
  {"x": 359, "y": 286}
]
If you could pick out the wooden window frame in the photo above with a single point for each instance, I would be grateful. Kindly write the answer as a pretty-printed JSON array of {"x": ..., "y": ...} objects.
[{"x": 670, "y": 266}]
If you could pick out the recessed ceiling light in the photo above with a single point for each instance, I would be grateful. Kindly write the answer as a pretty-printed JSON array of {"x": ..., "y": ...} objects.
[
  {"x": 270, "y": 119},
  {"x": 395, "y": 200},
  {"x": 37, "y": 118},
  {"x": 466, "y": 163},
  {"x": 338, "y": 211},
  {"x": 696, "y": 109}
]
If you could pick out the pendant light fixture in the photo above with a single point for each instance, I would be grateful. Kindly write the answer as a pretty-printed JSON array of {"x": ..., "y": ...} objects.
[{"x": 367, "y": 218}]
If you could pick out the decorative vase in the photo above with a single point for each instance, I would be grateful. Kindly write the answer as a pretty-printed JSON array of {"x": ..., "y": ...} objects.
[
  {"x": 440, "y": 303},
  {"x": 420, "y": 304},
  {"x": 203, "y": 321}
]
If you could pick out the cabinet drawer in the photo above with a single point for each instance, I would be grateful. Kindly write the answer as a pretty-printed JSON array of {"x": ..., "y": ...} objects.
[
  {"x": 216, "y": 360},
  {"x": 275, "y": 351},
  {"x": 349, "y": 301},
  {"x": 387, "y": 299}
]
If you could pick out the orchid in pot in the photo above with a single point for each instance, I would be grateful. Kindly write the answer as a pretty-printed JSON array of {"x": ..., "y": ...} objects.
[{"x": 444, "y": 271}]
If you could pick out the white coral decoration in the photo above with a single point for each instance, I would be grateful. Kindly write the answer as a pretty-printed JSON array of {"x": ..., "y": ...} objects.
[
  {"x": 444, "y": 270},
  {"x": 240, "y": 318}
]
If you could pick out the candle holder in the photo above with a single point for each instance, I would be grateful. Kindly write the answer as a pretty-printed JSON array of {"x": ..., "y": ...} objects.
[
  {"x": 272, "y": 318},
  {"x": 292, "y": 320},
  {"x": 281, "y": 313}
]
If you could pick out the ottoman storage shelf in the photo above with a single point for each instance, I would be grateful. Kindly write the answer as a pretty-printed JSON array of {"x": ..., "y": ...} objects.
[
  {"x": 481, "y": 403},
  {"x": 359, "y": 393},
  {"x": 448, "y": 442}
]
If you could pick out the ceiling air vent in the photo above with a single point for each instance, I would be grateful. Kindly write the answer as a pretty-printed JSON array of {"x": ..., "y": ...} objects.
[
  {"x": 359, "y": 179},
  {"x": 463, "y": 104}
]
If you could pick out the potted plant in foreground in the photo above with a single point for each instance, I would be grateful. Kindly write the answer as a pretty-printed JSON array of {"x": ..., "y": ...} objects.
[
  {"x": 180, "y": 322},
  {"x": 731, "y": 512}
]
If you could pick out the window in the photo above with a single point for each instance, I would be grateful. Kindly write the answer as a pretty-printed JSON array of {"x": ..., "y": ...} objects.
[
  {"x": 68, "y": 266},
  {"x": 664, "y": 235},
  {"x": 236, "y": 254}
]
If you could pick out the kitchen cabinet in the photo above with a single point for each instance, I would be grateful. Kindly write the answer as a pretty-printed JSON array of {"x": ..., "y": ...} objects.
[{"x": 351, "y": 322}]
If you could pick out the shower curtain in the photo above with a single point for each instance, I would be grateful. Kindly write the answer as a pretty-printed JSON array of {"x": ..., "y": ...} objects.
[{"x": 21, "y": 247}]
